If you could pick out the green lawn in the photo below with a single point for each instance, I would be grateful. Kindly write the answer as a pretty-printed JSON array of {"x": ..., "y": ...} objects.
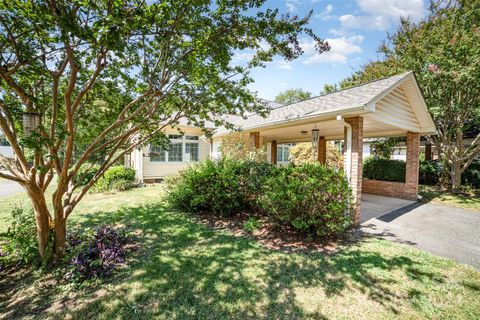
[
  {"x": 435, "y": 195},
  {"x": 184, "y": 270}
]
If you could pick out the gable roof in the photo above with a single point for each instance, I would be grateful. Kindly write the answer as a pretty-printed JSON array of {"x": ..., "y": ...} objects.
[{"x": 355, "y": 100}]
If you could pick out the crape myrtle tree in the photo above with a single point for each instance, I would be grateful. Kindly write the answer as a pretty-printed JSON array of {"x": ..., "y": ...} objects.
[
  {"x": 105, "y": 77},
  {"x": 444, "y": 52}
]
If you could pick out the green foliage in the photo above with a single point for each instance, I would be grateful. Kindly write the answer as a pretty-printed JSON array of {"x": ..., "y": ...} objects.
[
  {"x": 386, "y": 146},
  {"x": 21, "y": 238},
  {"x": 115, "y": 178},
  {"x": 224, "y": 187},
  {"x": 443, "y": 51},
  {"x": 310, "y": 197},
  {"x": 85, "y": 173},
  {"x": 471, "y": 176},
  {"x": 384, "y": 169},
  {"x": 292, "y": 95},
  {"x": 252, "y": 224},
  {"x": 304, "y": 153},
  {"x": 429, "y": 172},
  {"x": 237, "y": 146}
]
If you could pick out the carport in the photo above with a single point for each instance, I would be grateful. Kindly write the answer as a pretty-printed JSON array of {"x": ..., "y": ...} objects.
[{"x": 388, "y": 107}]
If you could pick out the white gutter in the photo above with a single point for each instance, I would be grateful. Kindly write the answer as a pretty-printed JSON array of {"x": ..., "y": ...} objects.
[{"x": 347, "y": 166}]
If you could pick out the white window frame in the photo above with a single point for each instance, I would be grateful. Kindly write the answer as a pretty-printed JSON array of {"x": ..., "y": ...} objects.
[
  {"x": 282, "y": 147},
  {"x": 184, "y": 139}
]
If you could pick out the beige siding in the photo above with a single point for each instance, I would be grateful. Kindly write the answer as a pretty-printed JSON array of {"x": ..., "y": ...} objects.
[{"x": 153, "y": 170}]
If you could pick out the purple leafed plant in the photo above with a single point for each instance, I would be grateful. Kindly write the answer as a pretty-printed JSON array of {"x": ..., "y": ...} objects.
[{"x": 97, "y": 255}]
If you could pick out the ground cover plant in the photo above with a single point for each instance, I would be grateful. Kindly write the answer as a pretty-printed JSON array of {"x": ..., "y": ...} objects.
[{"x": 185, "y": 270}]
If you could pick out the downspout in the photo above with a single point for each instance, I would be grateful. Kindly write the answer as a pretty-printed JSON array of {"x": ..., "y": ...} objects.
[{"x": 347, "y": 166}]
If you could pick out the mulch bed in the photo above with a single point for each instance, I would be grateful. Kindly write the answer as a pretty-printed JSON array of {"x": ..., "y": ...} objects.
[{"x": 272, "y": 236}]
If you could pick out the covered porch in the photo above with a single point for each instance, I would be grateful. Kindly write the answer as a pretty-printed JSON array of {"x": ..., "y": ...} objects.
[{"x": 389, "y": 107}]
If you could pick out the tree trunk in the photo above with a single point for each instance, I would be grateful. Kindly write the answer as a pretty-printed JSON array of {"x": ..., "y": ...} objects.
[
  {"x": 42, "y": 219},
  {"x": 456, "y": 175},
  {"x": 60, "y": 237}
]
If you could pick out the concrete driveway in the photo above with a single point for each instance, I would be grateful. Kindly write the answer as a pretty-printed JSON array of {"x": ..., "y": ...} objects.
[
  {"x": 444, "y": 231},
  {"x": 8, "y": 188}
]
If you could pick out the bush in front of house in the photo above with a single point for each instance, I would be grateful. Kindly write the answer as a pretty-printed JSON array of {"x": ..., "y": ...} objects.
[
  {"x": 311, "y": 198},
  {"x": 223, "y": 187},
  {"x": 85, "y": 173},
  {"x": 384, "y": 169},
  {"x": 116, "y": 178},
  {"x": 429, "y": 172},
  {"x": 471, "y": 175}
]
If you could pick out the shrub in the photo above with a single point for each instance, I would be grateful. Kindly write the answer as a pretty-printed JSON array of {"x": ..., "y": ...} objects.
[
  {"x": 384, "y": 169},
  {"x": 86, "y": 173},
  {"x": 115, "y": 178},
  {"x": 310, "y": 197},
  {"x": 95, "y": 253},
  {"x": 429, "y": 172},
  {"x": 471, "y": 175},
  {"x": 21, "y": 238},
  {"x": 224, "y": 187}
]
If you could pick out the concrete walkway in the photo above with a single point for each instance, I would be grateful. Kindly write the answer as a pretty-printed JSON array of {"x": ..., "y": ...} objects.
[{"x": 444, "y": 231}]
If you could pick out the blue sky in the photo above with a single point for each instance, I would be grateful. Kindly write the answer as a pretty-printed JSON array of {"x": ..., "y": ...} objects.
[{"x": 354, "y": 29}]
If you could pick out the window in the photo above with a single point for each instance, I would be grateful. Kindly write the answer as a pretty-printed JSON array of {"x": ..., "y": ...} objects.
[
  {"x": 283, "y": 152},
  {"x": 182, "y": 149},
  {"x": 175, "y": 152},
  {"x": 157, "y": 154}
]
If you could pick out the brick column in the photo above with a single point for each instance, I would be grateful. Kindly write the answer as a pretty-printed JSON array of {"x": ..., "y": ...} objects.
[
  {"x": 356, "y": 168},
  {"x": 254, "y": 140},
  {"x": 322, "y": 150},
  {"x": 273, "y": 150},
  {"x": 411, "y": 172}
]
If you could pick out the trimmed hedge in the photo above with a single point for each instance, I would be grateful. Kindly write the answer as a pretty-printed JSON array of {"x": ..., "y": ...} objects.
[
  {"x": 310, "y": 197},
  {"x": 384, "y": 169}
]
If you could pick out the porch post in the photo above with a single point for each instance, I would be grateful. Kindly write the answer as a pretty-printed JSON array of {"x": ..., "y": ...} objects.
[
  {"x": 254, "y": 140},
  {"x": 273, "y": 150},
  {"x": 322, "y": 150},
  {"x": 428, "y": 151},
  {"x": 356, "y": 174},
  {"x": 412, "y": 166}
]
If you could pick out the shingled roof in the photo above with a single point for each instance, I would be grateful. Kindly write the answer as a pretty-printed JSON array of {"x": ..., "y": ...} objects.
[{"x": 337, "y": 102}]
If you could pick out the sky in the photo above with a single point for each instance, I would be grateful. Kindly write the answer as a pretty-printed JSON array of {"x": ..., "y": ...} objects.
[{"x": 354, "y": 29}]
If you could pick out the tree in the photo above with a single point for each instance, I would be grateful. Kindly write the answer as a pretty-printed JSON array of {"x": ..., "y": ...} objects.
[
  {"x": 237, "y": 146},
  {"x": 292, "y": 95},
  {"x": 3, "y": 141},
  {"x": 304, "y": 153},
  {"x": 329, "y": 88},
  {"x": 443, "y": 50},
  {"x": 104, "y": 77}
]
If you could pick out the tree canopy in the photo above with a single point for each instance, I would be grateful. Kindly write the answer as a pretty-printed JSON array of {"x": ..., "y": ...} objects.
[
  {"x": 292, "y": 95},
  {"x": 444, "y": 52},
  {"x": 99, "y": 78}
]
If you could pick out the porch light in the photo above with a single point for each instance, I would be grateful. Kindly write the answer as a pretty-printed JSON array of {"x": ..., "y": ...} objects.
[
  {"x": 31, "y": 122},
  {"x": 315, "y": 136}
]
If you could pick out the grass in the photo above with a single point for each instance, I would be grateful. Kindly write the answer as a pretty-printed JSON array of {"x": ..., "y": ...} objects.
[
  {"x": 434, "y": 194},
  {"x": 185, "y": 270}
]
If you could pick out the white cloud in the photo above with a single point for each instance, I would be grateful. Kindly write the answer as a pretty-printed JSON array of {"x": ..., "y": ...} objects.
[
  {"x": 326, "y": 14},
  {"x": 291, "y": 5},
  {"x": 239, "y": 57},
  {"x": 380, "y": 14},
  {"x": 342, "y": 49},
  {"x": 282, "y": 64}
]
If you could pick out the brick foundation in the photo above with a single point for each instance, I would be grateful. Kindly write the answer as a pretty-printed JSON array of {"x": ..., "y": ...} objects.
[{"x": 389, "y": 189}]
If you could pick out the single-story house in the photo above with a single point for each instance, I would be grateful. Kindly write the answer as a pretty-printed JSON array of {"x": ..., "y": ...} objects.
[{"x": 388, "y": 107}]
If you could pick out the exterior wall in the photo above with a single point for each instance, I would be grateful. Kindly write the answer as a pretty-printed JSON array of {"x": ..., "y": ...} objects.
[
  {"x": 387, "y": 188},
  {"x": 156, "y": 170}
]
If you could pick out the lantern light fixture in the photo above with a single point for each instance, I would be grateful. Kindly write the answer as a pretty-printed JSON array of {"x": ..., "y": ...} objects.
[{"x": 315, "y": 137}]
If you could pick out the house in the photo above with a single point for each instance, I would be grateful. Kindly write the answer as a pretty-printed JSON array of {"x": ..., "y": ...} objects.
[{"x": 388, "y": 107}]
